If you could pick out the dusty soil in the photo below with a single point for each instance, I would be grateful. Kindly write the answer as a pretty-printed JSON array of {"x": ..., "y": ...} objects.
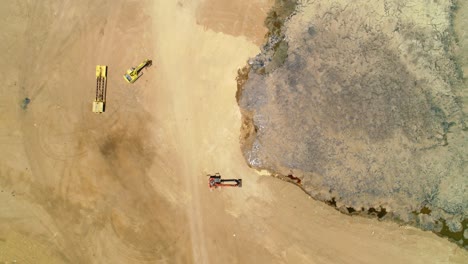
[
  {"x": 129, "y": 185},
  {"x": 237, "y": 18}
]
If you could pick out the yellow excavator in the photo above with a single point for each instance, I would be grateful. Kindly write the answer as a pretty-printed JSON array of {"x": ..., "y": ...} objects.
[{"x": 135, "y": 72}]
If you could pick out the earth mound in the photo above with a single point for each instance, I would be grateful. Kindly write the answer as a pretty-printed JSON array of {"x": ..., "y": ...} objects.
[{"x": 361, "y": 101}]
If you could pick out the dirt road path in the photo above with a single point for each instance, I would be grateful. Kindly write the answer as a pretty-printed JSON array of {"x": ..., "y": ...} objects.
[{"x": 129, "y": 186}]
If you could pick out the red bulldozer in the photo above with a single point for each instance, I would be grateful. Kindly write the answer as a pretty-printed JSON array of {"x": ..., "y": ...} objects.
[{"x": 215, "y": 181}]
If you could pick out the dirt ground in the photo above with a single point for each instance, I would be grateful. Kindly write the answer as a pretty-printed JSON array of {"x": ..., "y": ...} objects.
[{"x": 129, "y": 185}]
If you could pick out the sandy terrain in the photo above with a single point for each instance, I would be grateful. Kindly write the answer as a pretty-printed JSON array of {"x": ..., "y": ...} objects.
[
  {"x": 236, "y": 18},
  {"x": 129, "y": 186}
]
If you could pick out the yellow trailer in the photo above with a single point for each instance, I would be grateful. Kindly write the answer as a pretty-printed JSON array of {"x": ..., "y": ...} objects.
[{"x": 101, "y": 86}]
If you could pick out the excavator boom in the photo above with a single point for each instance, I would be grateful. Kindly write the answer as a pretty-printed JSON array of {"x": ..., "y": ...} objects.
[{"x": 142, "y": 65}]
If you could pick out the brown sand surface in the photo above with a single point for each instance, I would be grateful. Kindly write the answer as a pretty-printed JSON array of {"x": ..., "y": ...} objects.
[
  {"x": 235, "y": 18},
  {"x": 129, "y": 185}
]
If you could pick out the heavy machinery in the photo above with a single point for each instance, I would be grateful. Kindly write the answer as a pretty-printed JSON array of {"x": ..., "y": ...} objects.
[
  {"x": 101, "y": 86},
  {"x": 135, "y": 72},
  {"x": 215, "y": 181}
]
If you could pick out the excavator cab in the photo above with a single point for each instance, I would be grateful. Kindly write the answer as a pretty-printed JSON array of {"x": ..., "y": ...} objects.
[{"x": 135, "y": 72}]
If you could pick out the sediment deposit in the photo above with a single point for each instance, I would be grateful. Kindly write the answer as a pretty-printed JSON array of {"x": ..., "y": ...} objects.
[{"x": 362, "y": 100}]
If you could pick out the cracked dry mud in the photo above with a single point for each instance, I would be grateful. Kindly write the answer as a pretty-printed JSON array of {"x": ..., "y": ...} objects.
[{"x": 366, "y": 108}]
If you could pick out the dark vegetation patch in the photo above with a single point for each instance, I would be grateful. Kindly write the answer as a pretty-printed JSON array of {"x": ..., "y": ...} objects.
[
  {"x": 241, "y": 79},
  {"x": 332, "y": 202},
  {"x": 443, "y": 225},
  {"x": 454, "y": 236},
  {"x": 425, "y": 210},
  {"x": 276, "y": 17},
  {"x": 275, "y": 51},
  {"x": 379, "y": 213},
  {"x": 25, "y": 103},
  {"x": 279, "y": 56}
]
